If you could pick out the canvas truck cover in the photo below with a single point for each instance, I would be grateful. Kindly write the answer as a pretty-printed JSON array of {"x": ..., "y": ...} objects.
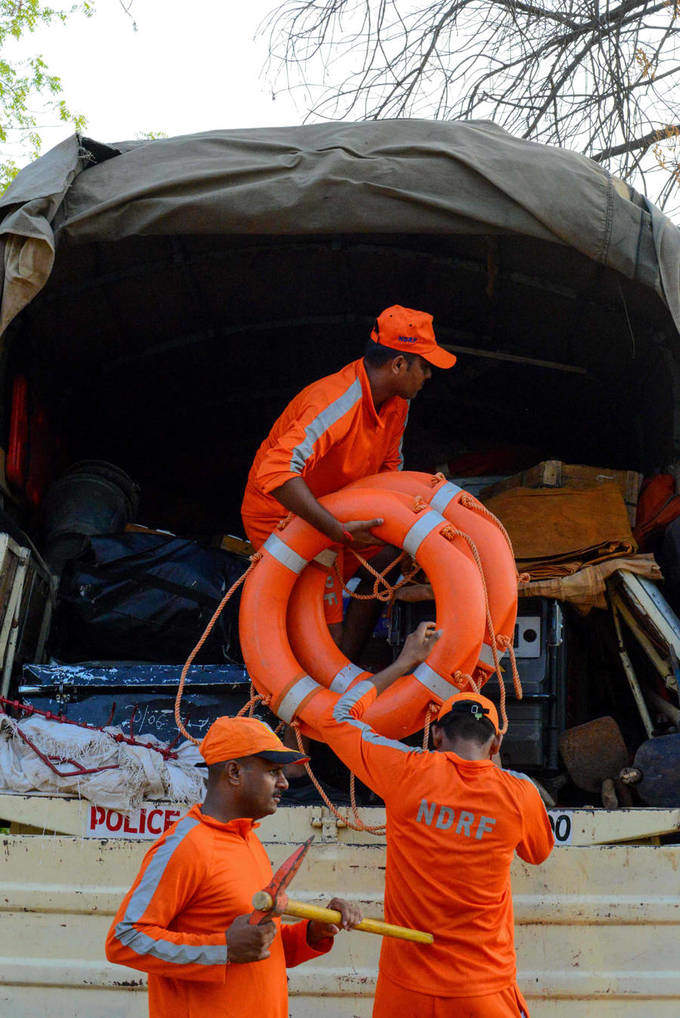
[{"x": 390, "y": 176}]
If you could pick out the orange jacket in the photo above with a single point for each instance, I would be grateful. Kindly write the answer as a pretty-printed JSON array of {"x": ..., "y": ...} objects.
[
  {"x": 172, "y": 923},
  {"x": 453, "y": 827},
  {"x": 331, "y": 435}
]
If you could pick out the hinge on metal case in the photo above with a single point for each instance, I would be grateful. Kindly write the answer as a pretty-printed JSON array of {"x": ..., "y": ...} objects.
[
  {"x": 555, "y": 635},
  {"x": 64, "y": 691},
  {"x": 328, "y": 824}
]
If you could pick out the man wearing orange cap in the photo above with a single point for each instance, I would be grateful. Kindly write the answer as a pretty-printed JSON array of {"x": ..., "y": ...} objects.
[
  {"x": 454, "y": 823},
  {"x": 185, "y": 919},
  {"x": 337, "y": 430}
]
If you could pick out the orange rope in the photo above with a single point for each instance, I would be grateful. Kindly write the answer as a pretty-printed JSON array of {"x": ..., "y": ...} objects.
[
  {"x": 254, "y": 559},
  {"x": 462, "y": 680},
  {"x": 505, "y": 643},
  {"x": 256, "y": 698},
  {"x": 470, "y": 502},
  {"x": 450, "y": 533},
  {"x": 358, "y": 824},
  {"x": 432, "y": 709},
  {"x": 387, "y": 594}
]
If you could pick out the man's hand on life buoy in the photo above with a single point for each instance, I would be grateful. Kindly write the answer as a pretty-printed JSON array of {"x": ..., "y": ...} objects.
[
  {"x": 246, "y": 943},
  {"x": 418, "y": 645},
  {"x": 351, "y": 915},
  {"x": 357, "y": 533}
]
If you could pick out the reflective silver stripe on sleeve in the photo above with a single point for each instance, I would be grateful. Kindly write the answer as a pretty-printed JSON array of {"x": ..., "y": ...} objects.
[
  {"x": 434, "y": 682},
  {"x": 341, "y": 714},
  {"x": 294, "y": 697},
  {"x": 285, "y": 555},
  {"x": 401, "y": 443},
  {"x": 169, "y": 951},
  {"x": 423, "y": 526},
  {"x": 486, "y": 655},
  {"x": 344, "y": 677},
  {"x": 322, "y": 422},
  {"x": 165, "y": 950},
  {"x": 446, "y": 493}
]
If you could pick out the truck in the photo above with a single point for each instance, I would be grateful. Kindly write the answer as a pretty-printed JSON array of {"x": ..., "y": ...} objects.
[{"x": 161, "y": 302}]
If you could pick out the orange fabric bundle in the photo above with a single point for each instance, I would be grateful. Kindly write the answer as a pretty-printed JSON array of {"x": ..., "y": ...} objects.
[
  {"x": 586, "y": 589},
  {"x": 556, "y": 531}
]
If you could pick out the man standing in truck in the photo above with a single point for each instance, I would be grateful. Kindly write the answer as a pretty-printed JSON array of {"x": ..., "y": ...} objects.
[
  {"x": 185, "y": 919},
  {"x": 454, "y": 823},
  {"x": 337, "y": 430}
]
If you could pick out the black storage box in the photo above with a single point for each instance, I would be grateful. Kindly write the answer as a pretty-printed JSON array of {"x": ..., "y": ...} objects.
[
  {"x": 140, "y": 698},
  {"x": 536, "y": 721}
]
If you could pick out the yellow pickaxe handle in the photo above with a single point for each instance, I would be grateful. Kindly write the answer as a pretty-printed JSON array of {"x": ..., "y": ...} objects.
[{"x": 263, "y": 901}]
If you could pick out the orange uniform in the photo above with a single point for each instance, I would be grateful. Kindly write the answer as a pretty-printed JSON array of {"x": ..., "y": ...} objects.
[
  {"x": 330, "y": 434},
  {"x": 391, "y": 1000},
  {"x": 453, "y": 827},
  {"x": 194, "y": 881}
]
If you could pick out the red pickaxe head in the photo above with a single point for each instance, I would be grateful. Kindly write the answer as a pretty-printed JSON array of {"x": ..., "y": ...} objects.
[{"x": 273, "y": 894}]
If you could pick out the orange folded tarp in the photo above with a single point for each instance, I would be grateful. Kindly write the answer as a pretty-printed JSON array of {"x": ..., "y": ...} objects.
[{"x": 556, "y": 531}]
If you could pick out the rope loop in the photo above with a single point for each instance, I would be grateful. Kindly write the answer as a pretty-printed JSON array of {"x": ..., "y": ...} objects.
[
  {"x": 462, "y": 680},
  {"x": 505, "y": 643},
  {"x": 255, "y": 698},
  {"x": 431, "y": 712},
  {"x": 419, "y": 504},
  {"x": 470, "y": 502},
  {"x": 254, "y": 559},
  {"x": 383, "y": 590},
  {"x": 357, "y": 824}
]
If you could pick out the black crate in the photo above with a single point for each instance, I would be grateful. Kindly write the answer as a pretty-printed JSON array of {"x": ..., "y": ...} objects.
[
  {"x": 133, "y": 696},
  {"x": 535, "y": 722}
]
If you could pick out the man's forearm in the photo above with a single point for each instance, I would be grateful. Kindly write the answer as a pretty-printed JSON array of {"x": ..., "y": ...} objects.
[
  {"x": 415, "y": 650},
  {"x": 384, "y": 679},
  {"x": 295, "y": 496}
]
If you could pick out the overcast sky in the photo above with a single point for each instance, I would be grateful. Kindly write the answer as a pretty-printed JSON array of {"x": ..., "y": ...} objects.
[{"x": 190, "y": 66}]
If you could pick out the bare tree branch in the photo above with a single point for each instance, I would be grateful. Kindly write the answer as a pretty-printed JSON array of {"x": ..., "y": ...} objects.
[{"x": 601, "y": 76}]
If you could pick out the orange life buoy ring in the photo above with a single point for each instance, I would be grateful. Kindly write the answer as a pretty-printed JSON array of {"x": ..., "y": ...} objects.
[
  {"x": 459, "y": 597},
  {"x": 495, "y": 551},
  {"x": 305, "y": 610}
]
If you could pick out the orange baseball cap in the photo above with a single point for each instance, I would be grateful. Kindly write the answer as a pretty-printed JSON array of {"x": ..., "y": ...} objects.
[
  {"x": 410, "y": 331},
  {"x": 470, "y": 703},
  {"x": 231, "y": 738}
]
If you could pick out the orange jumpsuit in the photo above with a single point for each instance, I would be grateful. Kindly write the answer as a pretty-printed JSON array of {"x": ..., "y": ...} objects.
[
  {"x": 330, "y": 434},
  {"x": 194, "y": 881},
  {"x": 453, "y": 827}
]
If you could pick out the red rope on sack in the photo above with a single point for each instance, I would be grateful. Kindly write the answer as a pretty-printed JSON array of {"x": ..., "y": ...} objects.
[
  {"x": 358, "y": 824},
  {"x": 254, "y": 559}
]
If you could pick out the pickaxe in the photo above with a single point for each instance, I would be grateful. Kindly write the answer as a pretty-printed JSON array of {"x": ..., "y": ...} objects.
[{"x": 273, "y": 900}]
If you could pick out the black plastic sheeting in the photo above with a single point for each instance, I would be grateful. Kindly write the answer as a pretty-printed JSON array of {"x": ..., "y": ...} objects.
[{"x": 147, "y": 597}]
